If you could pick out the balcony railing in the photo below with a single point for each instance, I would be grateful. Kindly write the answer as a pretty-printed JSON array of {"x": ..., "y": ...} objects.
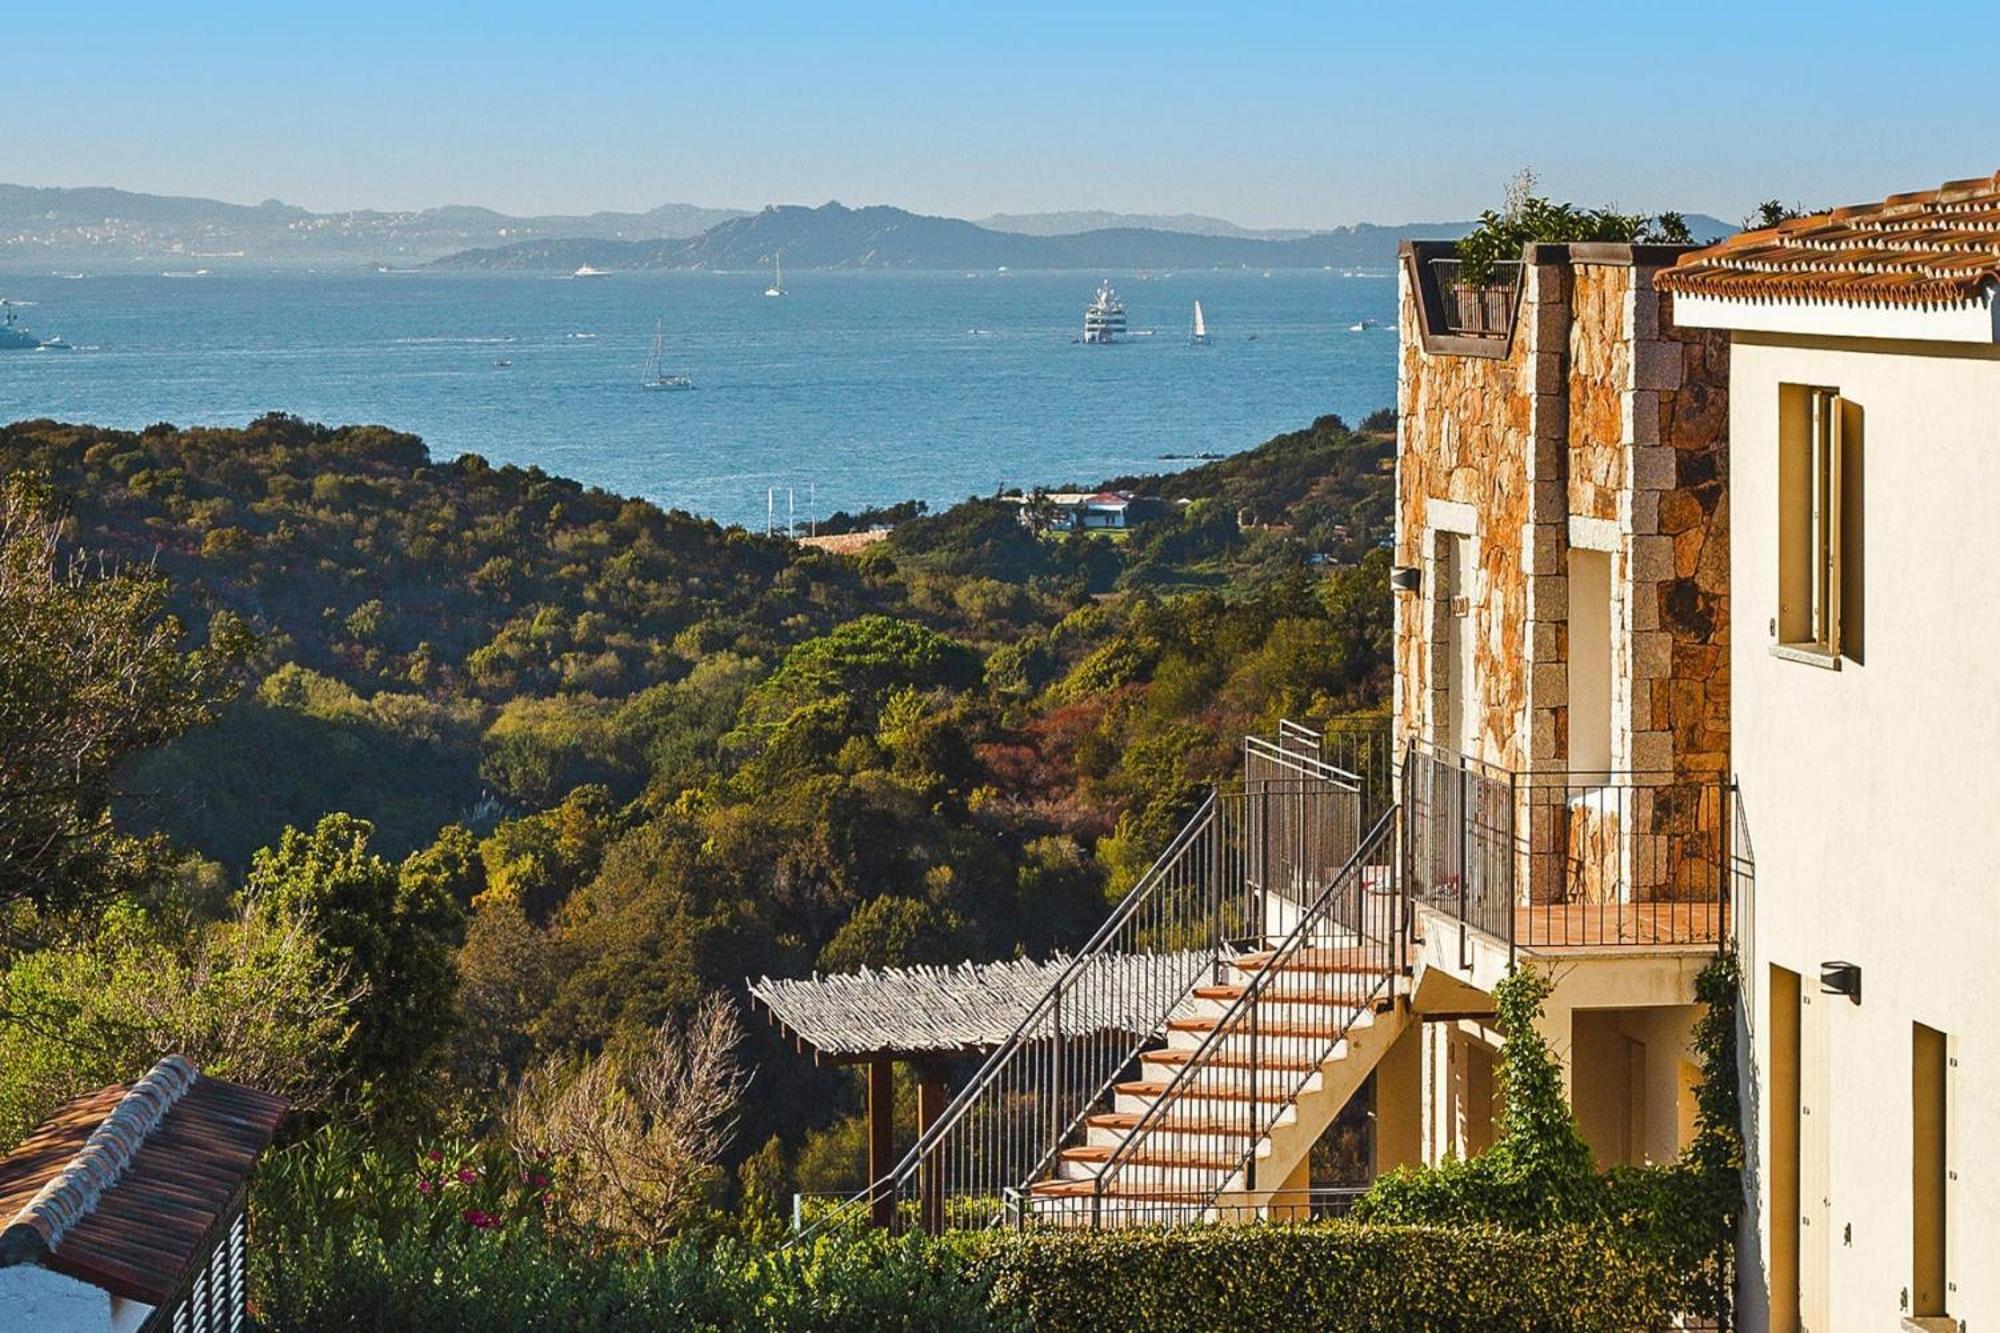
[
  {"x": 1558, "y": 860},
  {"x": 1477, "y": 309}
]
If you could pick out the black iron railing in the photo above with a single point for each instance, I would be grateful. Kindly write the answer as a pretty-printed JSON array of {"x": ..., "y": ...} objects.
[
  {"x": 1482, "y": 308},
  {"x": 1553, "y": 860},
  {"x": 1234, "y": 878},
  {"x": 1192, "y": 1154}
]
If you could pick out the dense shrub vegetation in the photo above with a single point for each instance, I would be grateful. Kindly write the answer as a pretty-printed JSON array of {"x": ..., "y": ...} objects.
[
  {"x": 1677, "y": 1219},
  {"x": 447, "y": 1237},
  {"x": 498, "y": 773}
]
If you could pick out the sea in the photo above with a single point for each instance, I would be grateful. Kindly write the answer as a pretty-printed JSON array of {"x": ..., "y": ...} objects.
[{"x": 852, "y": 389}]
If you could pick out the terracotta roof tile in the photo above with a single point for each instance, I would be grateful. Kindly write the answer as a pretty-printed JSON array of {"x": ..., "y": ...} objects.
[
  {"x": 124, "y": 1187},
  {"x": 1930, "y": 248}
]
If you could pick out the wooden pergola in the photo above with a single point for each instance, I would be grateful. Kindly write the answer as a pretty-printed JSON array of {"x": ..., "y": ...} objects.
[
  {"x": 928, "y": 1016},
  {"x": 924, "y": 1017}
]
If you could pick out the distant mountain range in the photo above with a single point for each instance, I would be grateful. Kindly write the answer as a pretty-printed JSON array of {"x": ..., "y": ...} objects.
[
  {"x": 834, "y": 236},
  {"x": 1096, "y": 219},
  {"x": 104, "y": 227},
  {"x": 54, "y": 228}
]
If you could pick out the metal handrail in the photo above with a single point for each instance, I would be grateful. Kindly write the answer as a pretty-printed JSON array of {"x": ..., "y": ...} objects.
[
  {"x": 1477, "y": 309},
  {"x": 1162, "y": 940},
  {"x": 1033, "y": 1020},
  {"x": 1245, "y": 1010},
  {"x": 1557, "y": 858}
]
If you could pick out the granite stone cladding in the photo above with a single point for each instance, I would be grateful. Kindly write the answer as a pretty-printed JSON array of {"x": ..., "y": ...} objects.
[{"x": 1601, "y": 422}]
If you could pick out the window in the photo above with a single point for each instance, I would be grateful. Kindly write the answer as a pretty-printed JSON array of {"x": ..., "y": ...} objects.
[
  {"x": 1929, "y": 1089},
  {"x": 1814, "y": 429},
  {"x": 1589, "y": 665}
]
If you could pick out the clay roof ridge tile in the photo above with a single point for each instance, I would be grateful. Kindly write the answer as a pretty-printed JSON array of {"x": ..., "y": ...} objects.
[{"x": 74, "y": 1190}]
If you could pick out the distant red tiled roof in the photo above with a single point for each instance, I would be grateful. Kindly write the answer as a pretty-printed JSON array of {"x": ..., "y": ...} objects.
[
  {"x": 124, "y": 1187},
  {"x": 1937, "y": 247}
]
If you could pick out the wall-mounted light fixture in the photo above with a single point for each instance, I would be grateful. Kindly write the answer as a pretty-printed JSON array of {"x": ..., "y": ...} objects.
[
  {"x": 1837, "y": 978},
  {"x": 1405, "y": 578}
]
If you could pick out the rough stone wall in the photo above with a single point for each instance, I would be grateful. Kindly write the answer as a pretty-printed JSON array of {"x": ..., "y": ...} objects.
[
  {"x": 1600, "y": 410},
  {"x": 1600, "y": 370},
  {"x": 1679, "y": 551},
  {"x": 1465, "y": 425},
  {"x": 1690, "y": 575}
]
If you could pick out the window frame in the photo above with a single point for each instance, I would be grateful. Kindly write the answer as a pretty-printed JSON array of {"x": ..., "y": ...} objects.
[{"x": 1814, "y": 422}]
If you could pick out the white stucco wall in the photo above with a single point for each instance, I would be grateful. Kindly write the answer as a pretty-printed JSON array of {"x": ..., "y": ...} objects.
[
  {"x": 1870, "y": 799},
  {"x": 32, "y": 1297}
]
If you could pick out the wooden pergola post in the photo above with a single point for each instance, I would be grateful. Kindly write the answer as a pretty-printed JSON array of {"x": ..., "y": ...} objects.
[
  {"x": 882, "y": 1140},
  {"x": 931, "y": 1099}
]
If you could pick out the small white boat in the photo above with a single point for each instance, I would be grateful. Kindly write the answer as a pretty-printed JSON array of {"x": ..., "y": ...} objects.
[
  {"x": 1364, "y": 326},
  {"x": 1200, "y": 335},
  {"x": 55, "y": 343},
  {"x": 656, "y": 376},
  {"x": 777, "y": 287},
  {"x": 586, "y": 271}
]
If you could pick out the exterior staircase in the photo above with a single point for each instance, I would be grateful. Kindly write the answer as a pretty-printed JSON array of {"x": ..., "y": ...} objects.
[
  {"x": 1245, "y": 1076},
  {"x": 1183, "y": 1063}
]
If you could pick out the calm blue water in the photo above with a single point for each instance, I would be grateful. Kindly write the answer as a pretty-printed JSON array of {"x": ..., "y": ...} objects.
[{"x": 869, "y": 388}]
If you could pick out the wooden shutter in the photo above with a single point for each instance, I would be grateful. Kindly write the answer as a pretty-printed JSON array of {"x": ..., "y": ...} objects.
[{"x": 1836, "y": 510}]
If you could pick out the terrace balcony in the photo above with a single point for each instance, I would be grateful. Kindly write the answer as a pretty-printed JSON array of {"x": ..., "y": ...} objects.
[{"x": 1582, "y": 864}]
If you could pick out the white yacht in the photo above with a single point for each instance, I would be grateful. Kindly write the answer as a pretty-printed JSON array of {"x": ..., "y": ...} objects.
[
  {"x": 1200, "y": 335},
  {"x": 588, "y": 272},
  {"x": 1104, "y": 318},
  {"x": 777, "y": 287}
]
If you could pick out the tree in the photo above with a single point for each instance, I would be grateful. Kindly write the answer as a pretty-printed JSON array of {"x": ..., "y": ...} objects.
[
  {"x": 246, "y": 999},
  {"x": 91, "y": 672},
  {"x": 1771, "y": 213},
  {"x": 637, "y": 1139},
  {"x": 891, "y": 932},
  {"x": 1527, "y": 218},
  {"x": 389, "y": 931}
]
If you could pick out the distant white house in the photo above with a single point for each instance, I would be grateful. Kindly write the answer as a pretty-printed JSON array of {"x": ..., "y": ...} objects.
[{"x": 1085, "y": 511}]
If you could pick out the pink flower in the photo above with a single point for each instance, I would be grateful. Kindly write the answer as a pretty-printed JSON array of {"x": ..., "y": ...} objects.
[
  {"x": 540, "y": 1182},
  {"x": 435, "y": 1155},
  {"x": 483, "y": 1220},
  {"x": 425, "y": 1186},
  {"x": 466, "y": 1175}
]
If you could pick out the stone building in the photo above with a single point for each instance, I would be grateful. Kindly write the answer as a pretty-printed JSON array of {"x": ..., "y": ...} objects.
[{"x": 1562, "y": 688}]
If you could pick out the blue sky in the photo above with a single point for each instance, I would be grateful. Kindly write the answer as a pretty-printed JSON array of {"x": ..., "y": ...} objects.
[{"x": 1268, "y": 114}]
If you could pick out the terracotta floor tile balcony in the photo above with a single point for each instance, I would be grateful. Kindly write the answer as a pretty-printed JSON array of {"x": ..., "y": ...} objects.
[{"x": 1552, "y": 861}]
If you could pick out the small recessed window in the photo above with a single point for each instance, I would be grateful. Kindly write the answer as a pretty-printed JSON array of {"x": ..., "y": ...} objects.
[{"x": 1817, "y": 429}]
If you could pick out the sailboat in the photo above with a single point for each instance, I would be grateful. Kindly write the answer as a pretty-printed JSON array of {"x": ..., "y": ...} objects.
[
  {"x": 777, "y": 287},
  {"x": 1199, "y": 338},
  {"x": 656, "y": 376}
]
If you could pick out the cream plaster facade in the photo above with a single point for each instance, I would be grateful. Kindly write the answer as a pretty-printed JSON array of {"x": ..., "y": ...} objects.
[{"x": 1863, "y": 793}]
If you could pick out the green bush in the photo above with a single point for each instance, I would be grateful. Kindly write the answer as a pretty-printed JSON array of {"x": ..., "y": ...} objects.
[
  {"x": 1679, "y": 1217},
  {"x": 1329, "y": 1277}
]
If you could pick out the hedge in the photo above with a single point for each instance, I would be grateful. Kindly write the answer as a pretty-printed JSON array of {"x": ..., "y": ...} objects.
[{"x": 1330, "y": 1277}]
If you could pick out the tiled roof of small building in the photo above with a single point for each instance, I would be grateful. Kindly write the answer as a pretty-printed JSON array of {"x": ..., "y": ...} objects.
[
  {"x": 124, "y": 1188},
  {"x": 1934, "y": 248}
]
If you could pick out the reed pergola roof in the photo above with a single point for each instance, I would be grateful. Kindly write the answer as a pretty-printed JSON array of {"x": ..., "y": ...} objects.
[{"x": 913, "y": 1012}]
